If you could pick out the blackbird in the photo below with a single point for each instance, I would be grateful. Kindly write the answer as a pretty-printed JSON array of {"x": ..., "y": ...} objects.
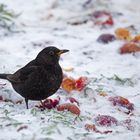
[{"x": 40, "y": 78}]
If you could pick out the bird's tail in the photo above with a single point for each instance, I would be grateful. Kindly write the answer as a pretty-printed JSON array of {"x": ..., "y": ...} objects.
[{"x": 3, "y": 76}]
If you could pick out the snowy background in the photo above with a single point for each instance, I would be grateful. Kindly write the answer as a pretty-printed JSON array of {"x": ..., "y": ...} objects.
[{"x": 49, "y": 22}]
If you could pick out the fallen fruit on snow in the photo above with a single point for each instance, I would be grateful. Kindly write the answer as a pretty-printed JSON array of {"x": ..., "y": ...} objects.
[
  {"x": 106, "y": 38},
  {"x": 70, "y": 107},
  {"x": 103, "y": 18},
  {"x": 49, "y": 103},
  {"x": 122, "y": 102},
  {"x": 90, "y": 127},
  {"x": 105, "y": 120},
  {"x": 81, "y": 83},
  {"x": 68, "y": 84},
  {"x": 129, "y": 48},
  {"x": 136, "y": 38},
  {"x": 123, "y": 34}
]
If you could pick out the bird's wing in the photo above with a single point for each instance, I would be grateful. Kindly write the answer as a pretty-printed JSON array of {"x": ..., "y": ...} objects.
[{"x": 22, "y": 74}]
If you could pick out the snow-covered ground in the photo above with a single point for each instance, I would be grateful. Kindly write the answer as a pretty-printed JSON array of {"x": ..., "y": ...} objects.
[{"x": 46, "y": 22}]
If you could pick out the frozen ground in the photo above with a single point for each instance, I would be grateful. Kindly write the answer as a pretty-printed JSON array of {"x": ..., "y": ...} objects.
[{"x": 45, "y": 22}]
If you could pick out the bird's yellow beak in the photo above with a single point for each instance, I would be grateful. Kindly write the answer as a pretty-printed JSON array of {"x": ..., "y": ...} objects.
[{"x": 62, "y": 51}]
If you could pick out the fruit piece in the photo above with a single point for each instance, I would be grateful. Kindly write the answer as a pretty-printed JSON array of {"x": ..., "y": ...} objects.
[
  {"x": 55, "y": 102},
  {"x": 68, "y": 69},
  {"x": 122, "y": 102},
  {"x": 103, "y": 18},
  {"x": 81, "y": 83},
  {"x": 90, "y": 127},
  {"x": 73, "y": 100},
  {"x": 129, "y": 48},
  {"x": 136, "y": 38},
  {"x": 49, "y": 103},
  {"x": 102, "y": 93},
  {"x": 105, "y": 120},
  {"x": 106, "y": 38},
  {"x": 70, "y": 107},
  {"x": 123, "y": 34},
  {"x": 68, "y": 84},
  {"x": 109, "y": 21}
]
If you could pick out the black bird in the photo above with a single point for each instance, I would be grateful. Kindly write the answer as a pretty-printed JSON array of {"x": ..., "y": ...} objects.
[{"x": 40, "y": 78}]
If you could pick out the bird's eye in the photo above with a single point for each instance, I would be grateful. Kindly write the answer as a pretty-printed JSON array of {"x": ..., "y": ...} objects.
[{"x": 51, "y": 53}]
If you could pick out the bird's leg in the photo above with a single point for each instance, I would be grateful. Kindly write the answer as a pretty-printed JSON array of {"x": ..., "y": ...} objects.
[
  {"x": 26, "y": 101},
  {"x": 41, "y": 102}
]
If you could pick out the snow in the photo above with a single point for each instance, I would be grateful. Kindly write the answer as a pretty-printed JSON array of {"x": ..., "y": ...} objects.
[{"x": 45, "y": 22}]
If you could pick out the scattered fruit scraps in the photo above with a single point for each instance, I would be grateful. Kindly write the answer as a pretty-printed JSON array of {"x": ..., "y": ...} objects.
[
  {"x": 99, "y": 59},
  {"x": 70, "y": 84},
  {"x": 122, "y": 102},
  {"x": 123, "y": 34},
  {"x": 105, "y": 120},
  {"x": 69, "y": 107},
  {"x": 106, "y": 38},
  {"x": 129, "y": 48}
]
